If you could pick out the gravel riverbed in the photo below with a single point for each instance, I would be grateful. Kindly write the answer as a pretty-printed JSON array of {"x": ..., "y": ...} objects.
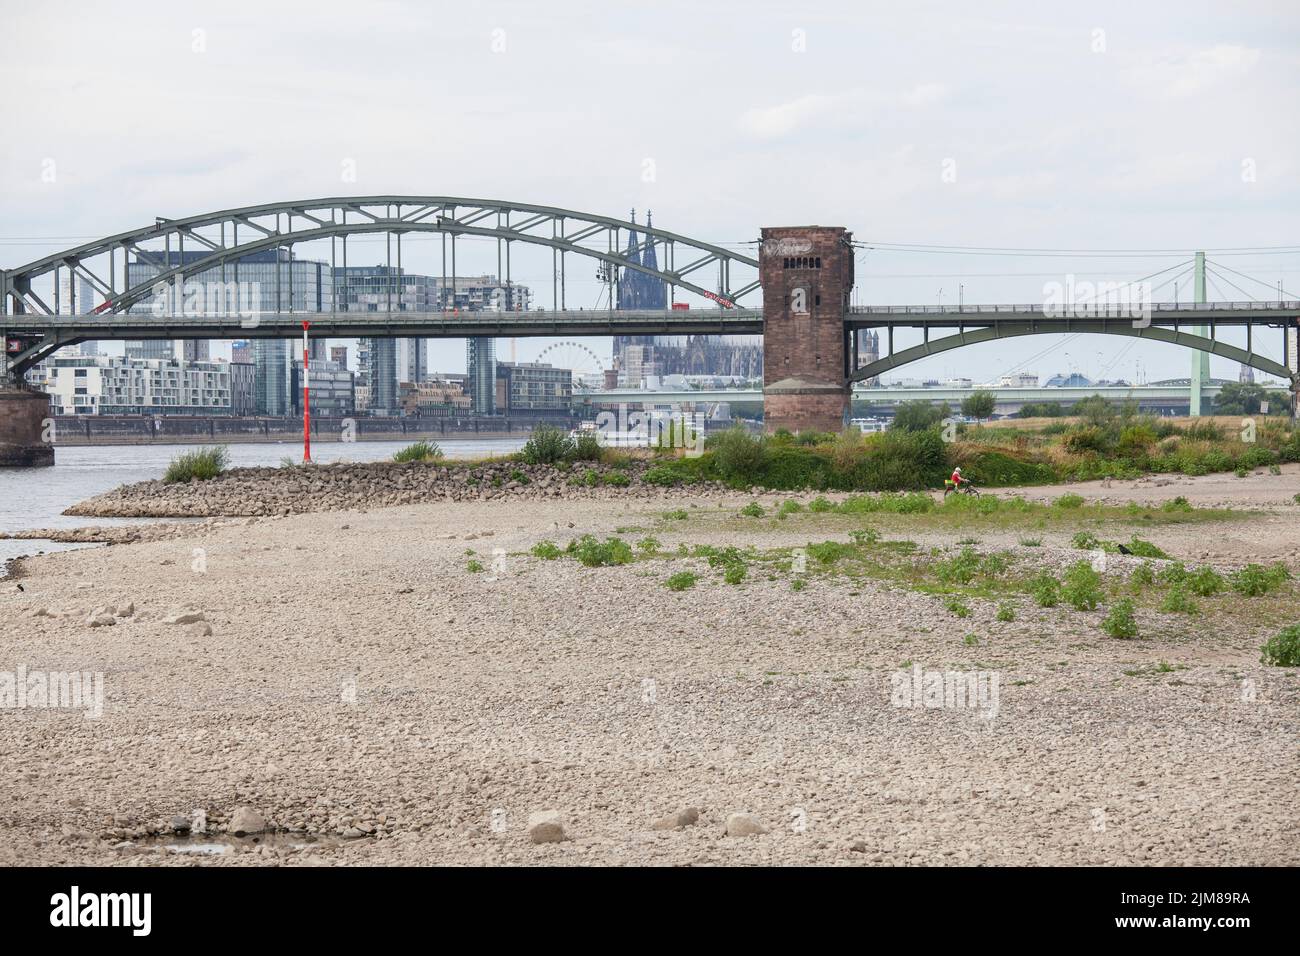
[{"x": 343, "y": 676}]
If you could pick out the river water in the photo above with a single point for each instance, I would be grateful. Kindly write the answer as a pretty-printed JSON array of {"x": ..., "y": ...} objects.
[{"x": 36, "y": 497}]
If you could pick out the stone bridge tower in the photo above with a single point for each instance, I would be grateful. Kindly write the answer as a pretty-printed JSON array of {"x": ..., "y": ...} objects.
[{"x": 807, "y": 275}]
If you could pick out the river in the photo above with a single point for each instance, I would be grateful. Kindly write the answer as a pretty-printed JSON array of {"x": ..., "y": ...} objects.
[{"x": 36, "y": 497}]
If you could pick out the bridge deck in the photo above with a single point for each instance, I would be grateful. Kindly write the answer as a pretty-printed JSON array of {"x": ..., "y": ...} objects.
[{"x": 600, "y": 322}]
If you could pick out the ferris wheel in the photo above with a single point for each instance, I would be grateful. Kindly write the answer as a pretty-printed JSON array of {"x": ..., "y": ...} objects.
[{"x": 586, "y": 365}]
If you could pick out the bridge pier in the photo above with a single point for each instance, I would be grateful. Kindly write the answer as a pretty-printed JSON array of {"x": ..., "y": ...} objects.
[
  {"x": 24, "y": 442},
  {"x": 807, "y": 275}
]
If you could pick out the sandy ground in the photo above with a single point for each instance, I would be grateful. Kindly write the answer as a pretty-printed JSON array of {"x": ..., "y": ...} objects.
[{"x": 359, "y": 678}]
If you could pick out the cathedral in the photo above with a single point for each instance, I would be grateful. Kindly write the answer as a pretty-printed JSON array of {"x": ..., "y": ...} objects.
[{"x": 637, "y": 356}]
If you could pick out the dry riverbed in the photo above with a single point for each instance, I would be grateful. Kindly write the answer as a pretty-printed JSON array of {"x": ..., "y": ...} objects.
[{"x": 411, "y": 684}]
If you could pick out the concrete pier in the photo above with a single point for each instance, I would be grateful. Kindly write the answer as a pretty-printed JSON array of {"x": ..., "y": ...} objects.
[{"x": 25, "y": 429}]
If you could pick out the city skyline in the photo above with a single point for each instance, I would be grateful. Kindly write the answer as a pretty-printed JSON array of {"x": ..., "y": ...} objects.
[{"x": 1098, "y": 145}]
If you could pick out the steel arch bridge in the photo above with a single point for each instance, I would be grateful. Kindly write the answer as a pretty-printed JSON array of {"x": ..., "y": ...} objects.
[
  {"x": 283, "y": 225},
  {"x": 1167, "y": 324}
]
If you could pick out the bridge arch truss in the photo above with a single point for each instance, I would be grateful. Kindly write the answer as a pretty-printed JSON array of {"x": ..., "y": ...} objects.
[
  {"x": 699, "y": 267},
  {"x": 1001, "y": 330}
]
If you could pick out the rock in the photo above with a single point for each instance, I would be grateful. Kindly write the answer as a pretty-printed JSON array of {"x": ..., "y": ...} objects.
[
  {"x": 858, "y": 846},
  {"x": 353, "y": 833},
  {"x": 675, "y": 821},
  {"x": 184, "y": 617},
  {"x": 181, "y": 824},
  {"x": 201, "y": 629},
  {"x": 744, "y": 824},
  {"x": 545, "y": 827},
  {"x": 43, "y": 612},
  {"x": 246, "y": 820},
  {"x": 101, "y": 620},
  {"x": 199, "y": 820},
  {"x": 83, "y": 585},
  {"x": 125, "y": 610}
]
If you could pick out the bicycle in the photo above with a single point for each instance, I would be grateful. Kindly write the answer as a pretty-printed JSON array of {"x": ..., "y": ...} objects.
[{"x": 965, "y": 488}]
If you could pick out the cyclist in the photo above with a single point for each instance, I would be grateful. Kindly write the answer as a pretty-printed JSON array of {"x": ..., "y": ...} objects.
[{"x": 956, "y": 481}]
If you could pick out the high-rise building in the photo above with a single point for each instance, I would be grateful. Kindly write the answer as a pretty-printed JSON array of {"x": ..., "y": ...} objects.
[
  {"x": 339, "y": 355},
  {"x": 261, "y": 282},
  {"x": 481, "y": 374},
  {"x": 384, "y": 363}
]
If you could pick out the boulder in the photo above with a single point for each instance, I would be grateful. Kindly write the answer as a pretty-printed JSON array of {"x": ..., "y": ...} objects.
[
  {"x": 545, "y": 827},
  {"x": 246, "y": 820},
  {"x": 744, "y": 824}
]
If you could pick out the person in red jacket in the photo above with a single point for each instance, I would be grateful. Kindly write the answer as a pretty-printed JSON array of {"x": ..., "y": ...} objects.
[{"x": 956, "y": 479}]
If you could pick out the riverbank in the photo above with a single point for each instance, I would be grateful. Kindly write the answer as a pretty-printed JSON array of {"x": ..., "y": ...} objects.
[
  {"x": 309, "y": 488},
  {"x": 410, "y": 684},
  {"x": 68, "y": 439}
]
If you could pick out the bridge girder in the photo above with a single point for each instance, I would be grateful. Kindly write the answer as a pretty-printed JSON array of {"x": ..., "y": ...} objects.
[
  {"x": 274, "y": 224},
  {"x": 1003, "y": 330}
]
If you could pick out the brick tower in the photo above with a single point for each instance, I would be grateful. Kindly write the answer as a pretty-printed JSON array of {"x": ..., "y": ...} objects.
[{"x": 807, "y": 274}]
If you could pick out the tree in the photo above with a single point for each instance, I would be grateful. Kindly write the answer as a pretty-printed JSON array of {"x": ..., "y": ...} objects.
[
  {"x": 978, "y": 404},
  {"x": 917, "y": 415},
  {"x": 1095, "y": 410},
  {"x": 1246, "y": 398}
]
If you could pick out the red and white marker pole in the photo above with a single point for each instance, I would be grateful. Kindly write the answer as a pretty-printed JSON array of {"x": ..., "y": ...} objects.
[{"x": 306, "y": 397}]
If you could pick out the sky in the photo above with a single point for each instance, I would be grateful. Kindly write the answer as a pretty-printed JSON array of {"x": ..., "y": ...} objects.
[{"x": 1167, "y": 126}]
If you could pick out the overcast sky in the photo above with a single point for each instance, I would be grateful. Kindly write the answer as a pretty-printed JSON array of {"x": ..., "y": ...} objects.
[{"x": 1038, "y": 125}]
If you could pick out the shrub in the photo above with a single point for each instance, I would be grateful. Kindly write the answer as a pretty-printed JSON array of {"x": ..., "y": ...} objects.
[
  {"x": 790, "y": 507},
  {"x": 474, "y": 566},
  {"x": 739, "y": 455},
  {"x": 1006, "y": 612},
  {"x": 1046, "y": 590},
  {"x": 734, "y": 574},
  {"x": 959, "y": 569},
  {"x": 820, "y": 505},
  {"x": 1070, "y": 500},
  {"x": 798, "y": 584},
  {"x": 1205, "y": 581},
  {"x": 1175, "y": 573},
  {"x": 1082, "y": 588},
  {"x": 1145, "y": 549},
  {"x": 615, "y": 479},
  {"x": 547, "y": 445},
  {"x": 197, "y": 465},
  {"x": 1120, "y": 622},
  {"x": 1031, "y": 542},
  {"x": 546, "y": 550},
  {"x": 1178, "y": 504},
  {"x": 957, "y": 606},
  {"x": 918, "y": 415},
  {"x": 662, "y": 476},
  {"x": 648, "y": 545},
  {"x": 586, "y": 447},
  {"x": 1142, "y": 577},
  {"x": 1283, "y": 649},
  {"x": 419, "y": 451},
  {"x": 865, "y": 537},
  {"x": 1086, "y": 541},
  {"x": 752, "y": 510},
  {"x": 679, "y": 514},
  {"x": 681, "y": 581},
  {"x": 595, "y": 554},
  {"x": 1255, "y": 579},
  {"x": 829, "y": 552},
  {"x": 1177, "y": 601}
]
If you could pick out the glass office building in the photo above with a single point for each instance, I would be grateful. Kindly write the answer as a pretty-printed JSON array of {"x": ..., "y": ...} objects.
[{"x": 260, "y": 283}]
